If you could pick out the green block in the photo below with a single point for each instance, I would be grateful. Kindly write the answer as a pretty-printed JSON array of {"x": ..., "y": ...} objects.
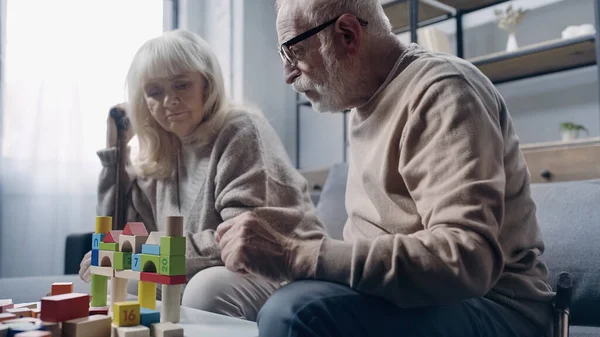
[
  {"x": 122, "y": 260},
  {"x": 172, "y": 246},
  {"x": 172, "y": 265},
  {"x": 113, "y": 247},
  {"x": 99, "y": 290},
  {"x": 149, "y": 263}
]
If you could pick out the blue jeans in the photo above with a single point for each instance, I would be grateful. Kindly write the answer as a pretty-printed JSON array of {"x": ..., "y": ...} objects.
[{"x": 317, "y": 308}]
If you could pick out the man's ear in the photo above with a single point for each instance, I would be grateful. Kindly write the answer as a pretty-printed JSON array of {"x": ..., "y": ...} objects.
[{"x": 348, "y": 33}]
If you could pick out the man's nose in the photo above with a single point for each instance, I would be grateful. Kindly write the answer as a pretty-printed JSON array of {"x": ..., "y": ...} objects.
[{"x": 290, "y": 73}]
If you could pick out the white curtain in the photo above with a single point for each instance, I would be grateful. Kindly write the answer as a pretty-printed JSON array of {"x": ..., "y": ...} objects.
[{"x": 64, "y": 66}]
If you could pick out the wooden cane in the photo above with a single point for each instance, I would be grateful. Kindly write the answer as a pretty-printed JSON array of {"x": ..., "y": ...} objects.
[{"x": 122, "y": 124}]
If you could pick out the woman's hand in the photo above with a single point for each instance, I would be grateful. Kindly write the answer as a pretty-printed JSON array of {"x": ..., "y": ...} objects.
[
  {"x": 85, "y": 272},
  {"x": 119, "y": 111}
]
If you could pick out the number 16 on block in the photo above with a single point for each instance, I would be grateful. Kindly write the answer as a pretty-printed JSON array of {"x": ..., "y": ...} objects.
[{"x": 126, "y": 313}]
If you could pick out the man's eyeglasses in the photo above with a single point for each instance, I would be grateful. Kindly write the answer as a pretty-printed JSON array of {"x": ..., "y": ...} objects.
[{"x": 288, "y": 56}]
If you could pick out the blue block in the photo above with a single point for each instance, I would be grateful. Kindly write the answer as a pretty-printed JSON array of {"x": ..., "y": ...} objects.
[
  {"x": 135, "y": 262},
  {"x": 94, "y": 257},
  {"x": 151, "y": 249},
  {"x": 96, "y": 239},
  {"x": 148, "y": 317}
]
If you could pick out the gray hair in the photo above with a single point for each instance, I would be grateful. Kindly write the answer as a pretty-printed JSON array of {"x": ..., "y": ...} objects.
[{"x": 316, "y": 12}]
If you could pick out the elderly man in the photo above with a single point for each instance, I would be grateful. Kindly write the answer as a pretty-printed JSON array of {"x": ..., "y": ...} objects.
[{"x": 441, "y": 237}]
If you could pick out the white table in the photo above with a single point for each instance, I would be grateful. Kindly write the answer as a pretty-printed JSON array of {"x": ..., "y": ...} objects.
[{"x": 194, "y": 322}]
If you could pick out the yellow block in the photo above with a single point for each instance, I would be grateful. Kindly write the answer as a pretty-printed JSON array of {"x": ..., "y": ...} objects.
[
  {"x": 103, "y": 224},
  {"x": 147, "y": 295},
  {"x": 126, "y": 313}
]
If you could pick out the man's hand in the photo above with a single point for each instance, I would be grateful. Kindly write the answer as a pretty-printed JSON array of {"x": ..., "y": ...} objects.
[
  {"x": 250, "y": 245},
  {"x": 85, "y": 272}
]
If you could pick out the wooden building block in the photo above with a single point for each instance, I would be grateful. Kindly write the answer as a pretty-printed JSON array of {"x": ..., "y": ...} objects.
[
  {"x": 174, "y": 226},
  {"x": 135, "y": 262},
  {"x": 131, "y": 244},
  {"x": 29, "y": 320},
  {"x": 172, "y": 246},
  {"x": 7, "y": 316},
  {"x": 103, "y": 224},
  {"x": 147, "y": 294},
  {"x": 98, "y": 311},
  {"x": 16, "y": 328},
  {"x": 6, "y": 304},
  {"x": 170, "y": 303},
  {"x": 65, "y": 307},
  {"x": 105, "y": 271},
  {"x": 91, "y": 326},
  {"x": 135, "y": 229},
  {"x": 53, "y": 327},
  {"x": 128, "y": 274},
  {"x": 109, "y": 246},
  {"x": 149, "y": 263},
  {"x": 20, "y": 312},
  {"x": 3, "y": 330},
  {"x": 118, "y": 290},
  {"x": 112, "y": 236},
  {"x": 35, "y": 313},
  {"x": 149, "y": 317},
  {"x": 150, "y": 249},
  {"x": 133, "y": 331},
  {"x": 106, "y": 258},
  {"x": 95, "y": 254},
  {"x": 172, "y": 265},
  {"x": 30, "y": 305},
  {"x": 166, "y": 329},
  {"x": 126, "y": 313},
  {"x": 59, "y": 288},
  {"x": 162, "y": 279},
  {"x": 122, "y": 260},
  {"x": 36, "y": 333},
  {"x": 96, "y": 239},
  {"x": 154, "y": 238},
  {"x": 99, "y": 290}
]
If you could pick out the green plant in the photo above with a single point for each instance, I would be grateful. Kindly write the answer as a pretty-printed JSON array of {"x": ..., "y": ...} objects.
[{"x": 568, "y": 126}]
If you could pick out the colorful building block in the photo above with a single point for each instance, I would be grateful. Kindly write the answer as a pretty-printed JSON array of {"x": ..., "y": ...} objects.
[
  {"x": 95, "y": 261},
  {"x": 166, "y": 329},
  {"x": 106, "y": 258},
  {"x": 135, "y": 229},
  {"x": 6, "y": 304},
  {"x": 95, "y": 325},
  {"x": 36, "y": 333},
  {"x": 61, "y": 308},
  {"x": 150, "y": 249},
  {"x": 132, "y": 244},
  {"x": 20, "y": 312},
  {"x": 103, "y": 224},
  {"x": 149, "y": 263},
  {"x": 21, "y": 327},
  {"x": 96, "y": 239},
  {"x": 135, "y": 262},
  {"x": 172, "y": 265},
  {"x": 128, "y": 274},
  {"x": 170, "y": 303},
  {"x": 149, "y": 317},
  {"x": 131, "y": 331},
  {"x": 59, "y": 288},
  {"x": 162, "y": 279},
  {"x": 7, "y": 316},
  {"x": 122, "y": 260},
  {"x": 126, "y": 313},
  {"x": 172, "y": 245},
  {"x": 112, "y": 236},
  {"x": 98, "y": 311},
  {"x": 174, "y": 226},
  {"x": 109, "y": 246},
  {"x": 147, "y": 294},
  {"x": 154, "y": 238},
  {"x": 99, "y": 290},
  {"x": 106, "y": 271}
]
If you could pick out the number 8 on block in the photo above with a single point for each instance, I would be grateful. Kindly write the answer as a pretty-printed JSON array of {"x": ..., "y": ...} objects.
[{"x": 126, "y": 313}]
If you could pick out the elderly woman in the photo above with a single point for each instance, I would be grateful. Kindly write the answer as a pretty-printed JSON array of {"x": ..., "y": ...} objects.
[{"x": 205, "y": 159}]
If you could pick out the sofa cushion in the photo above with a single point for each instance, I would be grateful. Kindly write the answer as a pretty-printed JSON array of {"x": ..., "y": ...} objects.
[
  {"x": 569, "y": 216},
  {"x": 331, "y": 208}
]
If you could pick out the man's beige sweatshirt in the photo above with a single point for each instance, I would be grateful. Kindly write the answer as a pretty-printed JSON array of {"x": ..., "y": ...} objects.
[{"x": 438, "y": 198}]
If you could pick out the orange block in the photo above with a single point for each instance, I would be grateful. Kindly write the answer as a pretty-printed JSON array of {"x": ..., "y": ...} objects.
[
  {"x": 59, "y": 288},
  {"x": 6, "y": 316}
]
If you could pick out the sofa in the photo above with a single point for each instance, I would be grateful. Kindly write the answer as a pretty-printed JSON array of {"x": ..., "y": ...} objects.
[{"x": 569, "y": 216}]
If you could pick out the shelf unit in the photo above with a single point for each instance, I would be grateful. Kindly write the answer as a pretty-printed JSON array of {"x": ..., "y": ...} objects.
[{"x": 406, "y": 16}]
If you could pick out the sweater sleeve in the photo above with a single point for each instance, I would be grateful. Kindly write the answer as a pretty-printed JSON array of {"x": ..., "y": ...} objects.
[
  {"x": 137, "y": 202},
  {"x": 451, "y": 160}
]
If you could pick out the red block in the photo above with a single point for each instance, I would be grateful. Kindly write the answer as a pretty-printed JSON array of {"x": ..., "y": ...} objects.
[
  {"x": 99, "y": 311},
  {"x": 162, "y": 279},
  {"x": 135, "y": 229},
  {"x": 64, "y": 307},
  {"x": 112, "y": 236},
  {"x": 59, "y": 288}
]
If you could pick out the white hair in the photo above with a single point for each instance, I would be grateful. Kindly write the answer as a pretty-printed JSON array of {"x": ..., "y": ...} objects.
[
  {"x": 316, "y": 12},
  {"x": 173, "y": 53}
]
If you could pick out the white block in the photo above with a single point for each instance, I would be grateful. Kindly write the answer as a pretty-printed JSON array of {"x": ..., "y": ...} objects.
[
  {"x": 128, "y": 274},
  {"x": 170, "y": 306},
  {"x": 166, "y": 329},
  {"x": 133, "y": 331},
  {"x": 106, "y": 271}
]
